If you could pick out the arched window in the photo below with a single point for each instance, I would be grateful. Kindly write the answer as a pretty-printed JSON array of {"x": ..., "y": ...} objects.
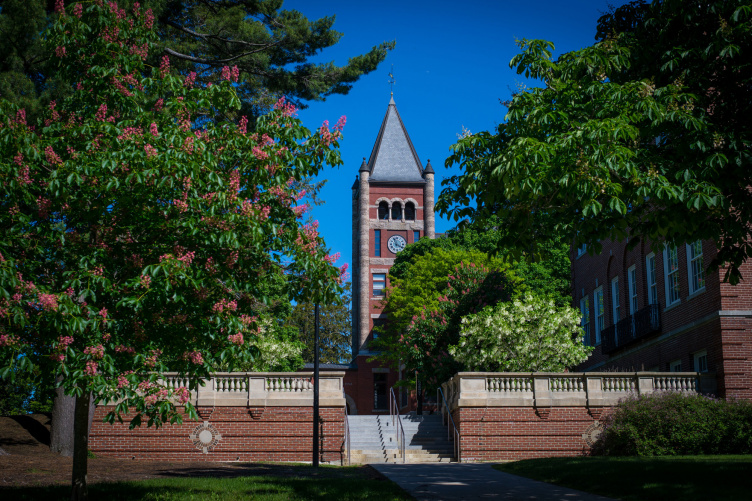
[
  {"x": 397, "y": 211},
  {"x": 383, "y": 210},
  {"x": 410, "y": 211}
]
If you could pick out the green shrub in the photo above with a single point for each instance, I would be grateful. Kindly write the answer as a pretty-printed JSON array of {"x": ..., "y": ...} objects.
[{"x": 668, "y": 423}]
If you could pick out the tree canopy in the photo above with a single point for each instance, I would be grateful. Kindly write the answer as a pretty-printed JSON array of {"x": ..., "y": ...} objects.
[
  {"x": 271, "y": 48},
  {"x": 645, "y": 134},
  {"x": 135, "y": 238}
]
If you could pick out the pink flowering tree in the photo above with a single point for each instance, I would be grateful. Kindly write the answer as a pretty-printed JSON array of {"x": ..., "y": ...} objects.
[
  {"x": 423, "y": 345},
  {"x": 134, "y": 233}
]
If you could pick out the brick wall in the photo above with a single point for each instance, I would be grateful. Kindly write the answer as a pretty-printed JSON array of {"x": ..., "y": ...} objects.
[
  {"x": 247, "y": 434},
  {"x": 514, "y": 433},
  {"x": 716, "y": 319}
]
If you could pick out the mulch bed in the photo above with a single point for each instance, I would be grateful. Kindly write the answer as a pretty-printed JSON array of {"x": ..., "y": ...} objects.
[{"x": 26, "y": 460}]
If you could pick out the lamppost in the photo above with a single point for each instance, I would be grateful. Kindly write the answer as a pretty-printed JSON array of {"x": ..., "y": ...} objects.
[{"x": 316, "y": 386}]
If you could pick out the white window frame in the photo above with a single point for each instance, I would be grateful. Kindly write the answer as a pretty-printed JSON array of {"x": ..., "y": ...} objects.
[
  {"x": 632, "y": 289},
  {"x": 671, "y": 277},
  {"x": 615, "y": 302},
  {"x": 652, "y": 279},
  {"x": 378, "y": 280},
  {"x": 600, "y": 314},
  {"x": 695, "y": 268},
  {"x": 700, "y": 359},
  {"x": 585, "y": 319},
  {"x": 675, "y": 366}
]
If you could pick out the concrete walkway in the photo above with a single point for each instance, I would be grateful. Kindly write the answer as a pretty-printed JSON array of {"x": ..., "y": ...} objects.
[{"x": 467, "y": 481}]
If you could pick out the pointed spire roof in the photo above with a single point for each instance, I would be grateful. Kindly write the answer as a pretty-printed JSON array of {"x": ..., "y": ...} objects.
[{"x": 393, "y": 158}]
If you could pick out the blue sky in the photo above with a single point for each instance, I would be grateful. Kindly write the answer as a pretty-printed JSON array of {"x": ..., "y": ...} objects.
[{"x": 451, "y": 66}]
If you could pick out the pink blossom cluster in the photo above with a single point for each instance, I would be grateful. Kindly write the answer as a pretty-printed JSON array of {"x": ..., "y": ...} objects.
[
  {"x": 194, "y": 356},
  {"x": 300, "y": 210},
  {"x": 96, "y": 352},
  {"x": 236, "y": 338},
  {"x": 59, "y": 7},
  {"x": 48, "y": 302},
  {"x": 187, "y": 258},
  {"x": 141, "y": 51},
  {"x": 183, "y": 394},
  {"x": 110, "y": 34},
  {"x": 331, "y": 258},
  {"x": 145, "y": 385},
  {"x": 246, "y": 319},
  {"x": 91, "y": 368},
  {"x": 52, "y": 157},
  {"x": 190, "y": 80},
  {"x": 340, "y": 123},
  {"x": 224, "y": 304},
  {"x": 130, "y": 133},
  {"x": 24, "y": 176},
  {"x": 120, "y": 87},
  {"x": 148, "y": 19},
  {"x": 150, "y": 151},
  {"x": 123, "y": 382},
  {"x": 44, "y": 206},
  {"x": 188, "y": 145},
  {"x": 78, "y": 10},
  {"x": 103, "y": 314},
  {"x": 145, "y": 281},
  {"x": 343, "y": 274},
  {"x": 153, "y": 130},
  {"x": 63, "y": 342},
  {"x": 101, "y": 114},
  {"x": 60, "y": 51},
  {"x": 307, "y": 240},
  {"x": 231, "y": 74},
  {"x": 151, "y": 360},
  {"x": 287, "y": 109},
  {"x": 159, "y": 104},
  {"x": 243, "y": 125},
  {"x": 125, "y": 349},
  {"x": 7, "y": 340}
]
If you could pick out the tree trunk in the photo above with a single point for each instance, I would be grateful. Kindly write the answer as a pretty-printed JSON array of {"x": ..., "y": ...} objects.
[
  {"x": 80, "y": 491},
  {"x": 63, "y": 414},
  {"x": 61, "y": 431}
]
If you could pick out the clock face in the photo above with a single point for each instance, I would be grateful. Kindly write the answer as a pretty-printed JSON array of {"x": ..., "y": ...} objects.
[{"x": 396, "y": 244}]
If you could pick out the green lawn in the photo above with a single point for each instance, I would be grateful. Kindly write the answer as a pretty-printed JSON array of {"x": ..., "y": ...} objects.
[
  {"x": 336, "y": 484},
  {"x": 685, "y": 478}
]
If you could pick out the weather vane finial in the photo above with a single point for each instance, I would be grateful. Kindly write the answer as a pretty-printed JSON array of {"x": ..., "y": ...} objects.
[{"x": 391, "y": 80}]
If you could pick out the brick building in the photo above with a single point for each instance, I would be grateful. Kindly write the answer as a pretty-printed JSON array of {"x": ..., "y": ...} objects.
[
  {"x": 392, "y": 206},
  {"x": 661, "y": 310}
]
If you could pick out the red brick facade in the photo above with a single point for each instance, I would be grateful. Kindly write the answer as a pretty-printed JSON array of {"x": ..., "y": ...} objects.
[
  {"x": 715, "y": 320},
  {"x": 515, "y": 433},
  {"x": 247, "y": 434}
]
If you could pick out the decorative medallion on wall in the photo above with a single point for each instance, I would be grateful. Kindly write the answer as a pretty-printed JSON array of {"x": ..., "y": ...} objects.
[
  {"x": 592, "y": 433},
  {"x": 205, "y": 437}
]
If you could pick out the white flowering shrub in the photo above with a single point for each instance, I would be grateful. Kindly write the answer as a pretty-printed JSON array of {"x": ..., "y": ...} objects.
[{"x": 527, "y": 334}]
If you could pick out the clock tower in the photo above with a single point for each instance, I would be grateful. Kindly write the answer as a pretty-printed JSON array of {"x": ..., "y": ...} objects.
[{"x": 392, "y": 206}]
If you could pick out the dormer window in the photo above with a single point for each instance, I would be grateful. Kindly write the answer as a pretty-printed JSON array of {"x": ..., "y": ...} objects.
[
  {"x": 383, "y": 210},
  {"x": 397, "y": 211},
  {"x": 410, "y": 211}
]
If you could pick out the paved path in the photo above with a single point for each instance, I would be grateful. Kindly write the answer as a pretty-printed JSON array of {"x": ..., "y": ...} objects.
[{"x": 467, "y": 481}]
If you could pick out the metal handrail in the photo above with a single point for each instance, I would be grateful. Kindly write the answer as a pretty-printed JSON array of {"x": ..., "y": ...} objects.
[
  {"x": 347, "y": 436},
  {"x": 394, "y": 412},
  {"x": 454, "y": 426}
]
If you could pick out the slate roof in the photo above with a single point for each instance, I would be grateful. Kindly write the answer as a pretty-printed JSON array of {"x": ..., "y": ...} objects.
[{"x": 393, "y": 158}]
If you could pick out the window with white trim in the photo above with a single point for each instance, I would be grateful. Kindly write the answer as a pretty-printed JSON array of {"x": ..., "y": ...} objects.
[
  {"x": 675, "y": 366},
  {"x": 585, "y": 319},
  {"x": 379, "y": 284},
  {"x": 695, "y": 268},
  {"x": 582, "y": 249},
  {"x": 632, "y": 282},
  {"x": 600, "y": 314},
  {"x": 671, "y": 272},
  {"x": 615, "y": 306},
  {"x": 700, "y": 359},
  {"x": 651, "y": 278}
]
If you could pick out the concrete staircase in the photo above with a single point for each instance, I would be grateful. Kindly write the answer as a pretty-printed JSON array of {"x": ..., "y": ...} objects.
[{"x": 373, "y": 439}]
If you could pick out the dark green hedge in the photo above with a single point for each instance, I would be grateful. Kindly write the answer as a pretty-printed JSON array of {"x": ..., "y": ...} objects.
[{"x": 668, "y": 423}]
